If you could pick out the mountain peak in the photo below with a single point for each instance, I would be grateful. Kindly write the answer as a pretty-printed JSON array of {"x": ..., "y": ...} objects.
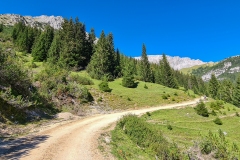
[{"x": 38, "y": 21}]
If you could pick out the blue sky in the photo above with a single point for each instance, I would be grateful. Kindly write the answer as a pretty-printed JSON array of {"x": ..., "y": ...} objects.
[{"x": 200, "y": 29}]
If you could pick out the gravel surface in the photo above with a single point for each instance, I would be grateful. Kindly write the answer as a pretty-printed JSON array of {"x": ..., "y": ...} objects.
[{"x": 72, "y": 139}]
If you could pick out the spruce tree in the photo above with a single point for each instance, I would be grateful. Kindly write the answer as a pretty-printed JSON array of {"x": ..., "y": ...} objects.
[
  {"x": 22, "y": 40},
  {"x": 54, "y": 50},
  {"x": 128, "y": 76},
  {"x": 166, "y": 72},
  {"x": 145, "y": 70},
  {"x": 97, "y": 67},
  {"x": 213, "y": 86},
  {"x": 42, "y": 45},
  {"x": 225, "y": 92},
  {"x": 103, "y": 60},
  {"x": 236, "y": 93}
]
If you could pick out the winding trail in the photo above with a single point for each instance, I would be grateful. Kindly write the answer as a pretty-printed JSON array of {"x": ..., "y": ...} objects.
[{"x": 77, "y": 140}]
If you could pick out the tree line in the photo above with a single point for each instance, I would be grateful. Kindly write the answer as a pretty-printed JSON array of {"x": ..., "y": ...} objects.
[{"x": 73, "y": 48}]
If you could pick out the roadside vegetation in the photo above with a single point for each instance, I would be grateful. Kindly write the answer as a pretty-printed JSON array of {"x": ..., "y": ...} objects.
[{"x": 193, "y": 135}]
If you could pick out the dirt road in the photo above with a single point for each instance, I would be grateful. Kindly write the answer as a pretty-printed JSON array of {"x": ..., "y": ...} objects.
[{"x": 72, "y": 141}]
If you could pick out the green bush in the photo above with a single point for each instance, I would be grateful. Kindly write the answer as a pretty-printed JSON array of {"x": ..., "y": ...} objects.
[
  {"x": 213, "y": 113},
  {"x": 201, "y": 109},
  {"x": 169, "y": 127},
  {"x": 80, "y": 80},
  {"x": 147, "y": 137},
  {"x": 145, "y": 86},
  {"x": 217, "y": 147},
  {"x": 217, "y": 105},
  {"x": 103, "y": 86},
  {"x": 164, "y": 96},
  {"x": 218, "y": 121},
  {"x": 237, "y": 114},
  {"x": 148, "y": 113}
]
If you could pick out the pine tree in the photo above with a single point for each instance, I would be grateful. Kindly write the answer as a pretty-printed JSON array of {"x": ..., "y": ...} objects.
[
  {"x": 213, "y": 86},
  {"x": 145, "y": 70},
  {"x": 128, "y": 76},
  {"x": 236, "y": 93}
]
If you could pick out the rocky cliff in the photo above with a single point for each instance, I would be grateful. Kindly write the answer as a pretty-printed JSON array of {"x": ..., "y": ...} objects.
[
  {"x": 39, "y": 21},
  {"x": 175, "y": 62}
]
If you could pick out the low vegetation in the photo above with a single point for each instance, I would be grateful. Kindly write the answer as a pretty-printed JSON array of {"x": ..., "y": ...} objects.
[{"x": 194, "y": 135}]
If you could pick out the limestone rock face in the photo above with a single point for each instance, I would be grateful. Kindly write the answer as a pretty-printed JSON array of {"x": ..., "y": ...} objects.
[
  {"x": 175, "y": 62},
  {"x": 39, "y": 21}
]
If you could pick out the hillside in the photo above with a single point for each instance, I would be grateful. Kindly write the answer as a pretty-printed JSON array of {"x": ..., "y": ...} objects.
[
  {"x": 190, "y": 69},
  {"x": 228, "y": 68}
]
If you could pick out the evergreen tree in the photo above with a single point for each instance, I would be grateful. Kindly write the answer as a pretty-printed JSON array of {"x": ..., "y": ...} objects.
[
  {"x": 236, "y": 93},
  {"x": 102, "y": 61},
  {"x": 68, "y": 55},
  {"x": 166, "y": 74},
  {"x": 226, "y": 91},
  {"x": 22, "y": 40},
  {"x": 213, "y": 86},
  {"x": 145, "y": 70},
  {"x": 42, "y": 45},
  {"x": 128, "y": 76},
  {"x": 1, "y": 27},
  {"x": 54, "y": 50}
]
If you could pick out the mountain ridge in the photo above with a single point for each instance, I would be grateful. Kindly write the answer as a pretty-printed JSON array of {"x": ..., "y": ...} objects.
[
  {"x": 228, "y": 68},
  {"x": 176, "y": 62},
  {"x": 33, "y": 21}
]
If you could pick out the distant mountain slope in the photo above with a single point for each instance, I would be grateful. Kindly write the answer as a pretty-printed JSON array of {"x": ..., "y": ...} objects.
[
  {"x": 176, "y": 62},
  {"x": 190, "y": 69},
  {"x": 226, "y": 69},
  {"x": 39, "y": 21}
]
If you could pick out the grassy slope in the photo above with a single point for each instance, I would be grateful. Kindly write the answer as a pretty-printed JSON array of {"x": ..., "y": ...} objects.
[
  {"x": 188, "y": 126},
  {"x": 123, "y": 98}
]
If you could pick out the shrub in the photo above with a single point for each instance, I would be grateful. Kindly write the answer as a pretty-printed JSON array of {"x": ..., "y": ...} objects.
[
  {"x": 129, "y": 99},
  {"x": 217, "y": 147},
  {"x": 237, "y": 114},
  {"x": 80, "y": 80},
  {"x": 218, "y": 121},
  {"x": 175, "y": 94},
  {"x": 80, "y": 92},
  {"x": 147, "y": 137},
  {"x": 100, "y": 99},
  {"x": 201, "y": 110},
  {"x": 217, "y": 105},
  {"x": 145, "y": 86},
  {"x": 103, "y": 86},
  {"x": 213, "y": 113},
  {"x": 169, "y": 127},
  {"x": 149, "y": 114},
  {"x": 164, "y": 97}
]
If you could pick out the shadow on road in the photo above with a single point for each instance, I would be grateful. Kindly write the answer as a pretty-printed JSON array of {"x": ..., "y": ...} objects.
[{"x": 14, "y": 149}]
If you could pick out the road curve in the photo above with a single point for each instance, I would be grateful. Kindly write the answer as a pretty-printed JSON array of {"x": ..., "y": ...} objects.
[{"x": 76, "y": 140}]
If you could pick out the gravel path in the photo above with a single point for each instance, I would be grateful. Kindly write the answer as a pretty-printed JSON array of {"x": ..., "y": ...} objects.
[{"x": 76, "y": 140}]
